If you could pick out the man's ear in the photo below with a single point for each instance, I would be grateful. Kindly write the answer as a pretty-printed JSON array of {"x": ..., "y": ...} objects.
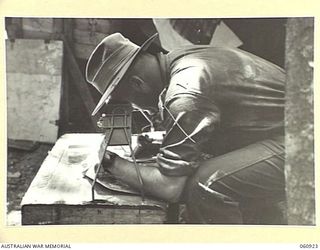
[{"x": 136, "y": 83}]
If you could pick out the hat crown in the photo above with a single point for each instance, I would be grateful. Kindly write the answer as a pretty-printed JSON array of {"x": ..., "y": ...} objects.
[
  {"x": 109, "y": 54},
  {"x": 115, "y": 42}
]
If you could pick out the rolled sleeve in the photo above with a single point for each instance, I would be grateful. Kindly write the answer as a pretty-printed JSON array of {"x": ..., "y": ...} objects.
[{"x": 187, "y": 133}]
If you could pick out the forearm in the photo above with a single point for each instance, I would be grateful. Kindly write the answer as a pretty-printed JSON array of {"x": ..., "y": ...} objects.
[{"x": 154, "y": 183}]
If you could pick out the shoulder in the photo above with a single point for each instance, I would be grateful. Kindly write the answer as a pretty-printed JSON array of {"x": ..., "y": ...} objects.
[
  {"x": 202, "y": 63},
  {"x": 189, "y": 73}
]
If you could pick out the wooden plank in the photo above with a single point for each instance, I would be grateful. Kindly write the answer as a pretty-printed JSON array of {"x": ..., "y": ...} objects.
[
  {"x": 90, "y": 214},
  {"x": 65, "y": 110},
  {"x": 38, "y": 24},
  {"x": 14, "y": 27},
  {"x": 49, "y": 25},
  {"x": 66, "y": 81},
  {"x": 38, "y": 215},
  {"x": 23, "y": 144},
  {"x": 67, "y": 29},
  {"x": 42, "y": 28},
  {"x": 17, "y": 20},
  {"x": 34, "y": 70},
  {"x": 88, "y": 37},
  {"x": 60, "y": 194},
  {"x": 81, "y": 84},
  {"x": 96, "y": 24},
  {"x": 35, "y": 34},
  {"x": 58, "y": 25},
  {"x": 61, "y": 178}
]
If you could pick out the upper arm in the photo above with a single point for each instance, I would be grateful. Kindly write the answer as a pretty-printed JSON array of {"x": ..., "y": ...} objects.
[
  {"x": 189, "y": 125},
  {"x": 191, "y": 115}
]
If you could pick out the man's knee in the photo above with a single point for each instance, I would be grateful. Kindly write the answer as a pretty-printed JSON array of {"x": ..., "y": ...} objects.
[
  {"x": 209, "y": 206},
  {"x": 214, "y": 205}
]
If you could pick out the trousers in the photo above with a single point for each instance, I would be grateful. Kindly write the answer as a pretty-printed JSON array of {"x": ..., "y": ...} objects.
[{"x": 245, "y": 186}]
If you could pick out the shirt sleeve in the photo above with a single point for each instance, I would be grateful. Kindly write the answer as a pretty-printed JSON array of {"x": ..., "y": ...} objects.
[{"x": 189, "y": 122}]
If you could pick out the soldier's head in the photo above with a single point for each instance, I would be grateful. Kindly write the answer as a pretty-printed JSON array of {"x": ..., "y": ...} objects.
[{"x": 120, "y": 69}]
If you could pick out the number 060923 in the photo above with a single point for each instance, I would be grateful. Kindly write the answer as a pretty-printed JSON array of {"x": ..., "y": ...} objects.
[{"x": 308, "y": 245}]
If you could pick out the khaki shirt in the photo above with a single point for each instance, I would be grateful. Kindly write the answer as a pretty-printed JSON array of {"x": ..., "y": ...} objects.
[{"x": 216, "y": 100}]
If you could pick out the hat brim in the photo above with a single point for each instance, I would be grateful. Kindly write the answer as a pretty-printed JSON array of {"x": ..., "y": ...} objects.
[{"x": 124, "y": 68}]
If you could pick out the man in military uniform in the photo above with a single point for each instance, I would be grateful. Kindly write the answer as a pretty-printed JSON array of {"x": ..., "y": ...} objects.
[{"x": 223, "y": 112}]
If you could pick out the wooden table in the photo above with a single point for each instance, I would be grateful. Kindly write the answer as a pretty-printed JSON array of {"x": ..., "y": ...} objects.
[{"x": 61, "y": 194}]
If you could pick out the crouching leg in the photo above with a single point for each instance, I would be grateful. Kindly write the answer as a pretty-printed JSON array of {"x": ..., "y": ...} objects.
[{"x": 245, "y": 186}]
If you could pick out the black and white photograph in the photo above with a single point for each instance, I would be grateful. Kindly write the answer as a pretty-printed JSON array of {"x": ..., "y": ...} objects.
[{"x": 167, "y": 120}]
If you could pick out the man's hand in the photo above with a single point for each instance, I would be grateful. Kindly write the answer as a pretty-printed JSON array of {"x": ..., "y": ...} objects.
[
  {"x": 154, "y": 183},
  {"x": 145, "y": 148}
]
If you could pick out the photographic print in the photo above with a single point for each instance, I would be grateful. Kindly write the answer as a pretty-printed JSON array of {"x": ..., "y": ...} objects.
[{"x": 159, "y": 122}]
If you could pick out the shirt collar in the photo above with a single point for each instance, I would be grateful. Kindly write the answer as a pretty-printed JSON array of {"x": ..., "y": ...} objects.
[{"x": 164, "y": 68}]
